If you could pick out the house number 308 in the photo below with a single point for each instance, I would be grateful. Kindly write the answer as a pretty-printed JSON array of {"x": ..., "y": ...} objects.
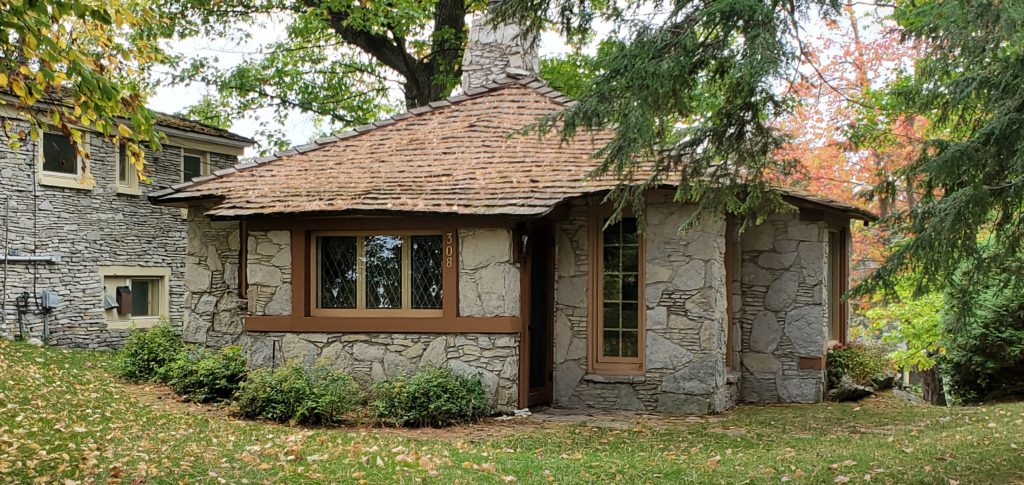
[{"x": 449, "y": 250}]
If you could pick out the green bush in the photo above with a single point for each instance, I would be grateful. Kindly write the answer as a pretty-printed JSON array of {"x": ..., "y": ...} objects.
[
  {"x": 203, "y": 375},
  {"x": 985, "y": 345},
  {"x": 432, "y": 397},
  {"x": 146, "y": 352},
  {"x": 292, "y": 393},
  {"x": 862, "y": 362}
]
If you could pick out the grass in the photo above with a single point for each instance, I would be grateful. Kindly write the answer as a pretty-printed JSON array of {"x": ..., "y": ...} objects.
[{"x": 65, "y": 419}]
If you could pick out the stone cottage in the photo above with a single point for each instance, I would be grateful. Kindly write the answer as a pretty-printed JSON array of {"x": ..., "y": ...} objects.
[
  {"x": 83, "y": 231},
  {"x": 437, "y": 238}
]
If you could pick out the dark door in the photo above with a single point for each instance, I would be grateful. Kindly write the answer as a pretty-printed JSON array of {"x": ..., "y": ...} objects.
[{"x": 540, "y": 258}]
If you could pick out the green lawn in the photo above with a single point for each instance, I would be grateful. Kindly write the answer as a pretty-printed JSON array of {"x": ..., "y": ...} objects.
[{"x": 64, "y": 419}]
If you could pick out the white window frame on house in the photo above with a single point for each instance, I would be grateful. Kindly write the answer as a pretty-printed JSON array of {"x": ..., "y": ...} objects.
[
  {"x": 360, "y": 310},
  {"x": 129, "y": 185},
  {"x": 204, "y": 162},
  {"x": 81, "y": 179},
  {"x": 115, "y": 276}
]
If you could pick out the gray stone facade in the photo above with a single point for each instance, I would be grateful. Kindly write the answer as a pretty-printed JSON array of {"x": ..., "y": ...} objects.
[
  {"x": 488, "y": 277},
  {"x": 268, "y": 271},
  {"x": 783, "y": 311},
  {"x": 370, "y": 357},
  {"x": 214, "y": 308},
  {"x": 489, "y": 286},
  {"x": 684, "y": 365},
  {"x": 494, "y": 51},
  {"x": 88, "y": 229}
]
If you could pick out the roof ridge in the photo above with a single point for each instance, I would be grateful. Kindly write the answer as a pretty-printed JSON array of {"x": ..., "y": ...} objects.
[{"x": 532, "y": 82}]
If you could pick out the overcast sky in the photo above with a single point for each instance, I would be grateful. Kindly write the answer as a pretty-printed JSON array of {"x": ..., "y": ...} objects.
[{"x": 299, "y": 127}]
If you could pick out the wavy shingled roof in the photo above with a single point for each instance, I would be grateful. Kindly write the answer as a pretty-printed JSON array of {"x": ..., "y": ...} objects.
[{"x": 457, "y": 156}]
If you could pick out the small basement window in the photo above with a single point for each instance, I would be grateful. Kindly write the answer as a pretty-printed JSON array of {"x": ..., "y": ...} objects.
[
  {"x": 135, "y": 295},
  {"x": 145, "y": 297},
  {"x": 377, "y": 274}
]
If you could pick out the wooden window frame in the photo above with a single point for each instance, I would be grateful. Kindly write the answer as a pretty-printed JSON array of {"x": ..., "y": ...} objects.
[
  {"x": 596, "y": 362},
  {"x": 361, "y": 310},
  {"x": 300, "y": 319},
  {"x": 838, "y": 283}
]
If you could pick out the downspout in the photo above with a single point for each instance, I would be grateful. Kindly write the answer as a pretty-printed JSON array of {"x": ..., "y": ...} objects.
[{"x": 7, "y": 252}]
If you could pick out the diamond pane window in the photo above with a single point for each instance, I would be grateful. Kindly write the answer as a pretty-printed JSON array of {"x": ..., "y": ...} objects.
[
  {"x": 338, "y": 272},
  {"x": 620, "y": 323},
  {"x": 426, "y": 272},
  {"x": 382, "y": 257},
  {"x": 377, "y": 272}
]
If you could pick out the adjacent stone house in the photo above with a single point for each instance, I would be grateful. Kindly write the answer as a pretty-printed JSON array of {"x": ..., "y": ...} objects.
[
  {"x": 439, "y": 238},
  {"x": 81, "y": 229}
]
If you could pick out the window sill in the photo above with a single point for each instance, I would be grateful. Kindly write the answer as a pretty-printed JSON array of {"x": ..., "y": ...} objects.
[
  {"x": 141, "y": 322},
  {"x": 255, "y": 323},
  {"x": 134, "y": 191},
  {"x": 67, "y": 182},
  {"x": 615, "y": 379}
]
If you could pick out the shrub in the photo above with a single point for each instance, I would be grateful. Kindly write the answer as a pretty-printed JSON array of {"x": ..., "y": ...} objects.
[
  {"x": 862, "y": 362},
  {"x": 203, "y": 375},
  {"x": 292, "y": 393},
  {"x": 432, "y": 397},
  {"x": 146, "y": 352},
  {"x": 985, "y": 347}
]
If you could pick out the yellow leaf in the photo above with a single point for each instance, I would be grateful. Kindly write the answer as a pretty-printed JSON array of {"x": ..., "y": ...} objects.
[
  {"x": 18, "y": 88},
  {"x": 3, "y": 80},
  {"x": 713, "y": 461},
  {"x": 124, "y": 130}
]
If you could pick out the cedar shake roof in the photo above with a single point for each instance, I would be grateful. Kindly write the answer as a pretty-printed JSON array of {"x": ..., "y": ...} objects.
[{"x": 460, "y": 156}]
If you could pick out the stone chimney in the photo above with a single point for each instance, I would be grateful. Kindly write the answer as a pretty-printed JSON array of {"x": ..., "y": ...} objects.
[{"x": 495, "y": 51}]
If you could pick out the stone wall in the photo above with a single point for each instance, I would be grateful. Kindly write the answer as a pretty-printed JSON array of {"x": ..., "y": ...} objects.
[
  {"x": 488, "y": 277},
  {"x": 685, "y": 320},
  {"x": 268, "y": 270},
  {"x": 494, "y": 51},
  {"x": 88, "y": 229},
  {"x": 374, "y": 356},
  {"x": 489, "y": 286},
  {"x": 214, "y": 308},
  {"x": 783, "y": 315}
]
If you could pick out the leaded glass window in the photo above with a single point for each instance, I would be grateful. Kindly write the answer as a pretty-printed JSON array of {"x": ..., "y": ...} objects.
[
  {"x": 379, "y": 272},
  {"x": 426, "y": 272},
  {"x": 620, "y": 323},
  {"x": 337, "y": 265}
]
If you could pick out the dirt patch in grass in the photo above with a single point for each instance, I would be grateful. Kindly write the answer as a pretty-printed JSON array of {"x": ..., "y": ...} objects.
[{"x": 163, "y": 398}]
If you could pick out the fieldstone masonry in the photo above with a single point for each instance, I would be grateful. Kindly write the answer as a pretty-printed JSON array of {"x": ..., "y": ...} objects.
[
  {"x": 370, "y": 357},
  {"x": 489, "y": 286},
  {"x": 494, "y": 51},
  {"x": 88, "y": 229},
  {"x": 685, "y": 320},
  {"x": 488, "y": 278},
  {"x": 214, "y": 308},
  {"x": 783, "y": 312},
  {"x": 268, "y": 272}
]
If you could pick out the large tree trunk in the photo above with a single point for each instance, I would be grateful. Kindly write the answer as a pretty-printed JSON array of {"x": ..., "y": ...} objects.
[{"x": 931, "y": 386}]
